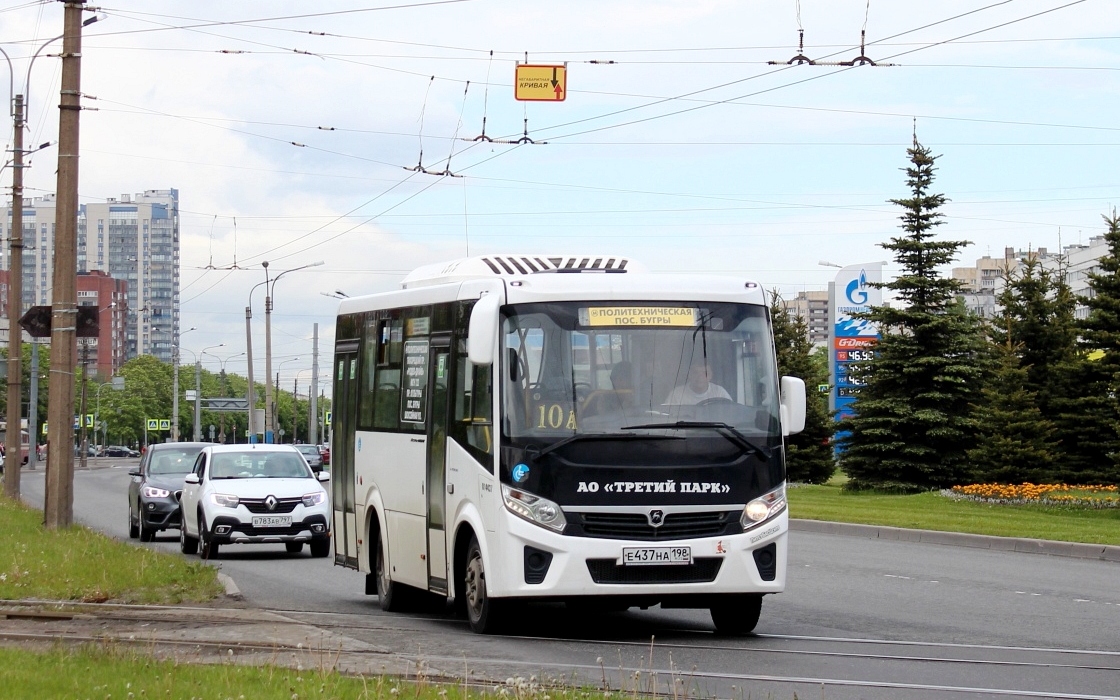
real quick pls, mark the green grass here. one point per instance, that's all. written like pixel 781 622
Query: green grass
pixel 81 565
pixel 931 511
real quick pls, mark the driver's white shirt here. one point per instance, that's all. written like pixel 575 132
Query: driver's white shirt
pixel 685 396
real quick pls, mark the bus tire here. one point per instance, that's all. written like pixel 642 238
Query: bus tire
pixel 486 615
pixel 390 595
pixel 737 614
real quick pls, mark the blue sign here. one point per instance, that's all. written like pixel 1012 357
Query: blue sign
pixel 853 339
pixel 521 472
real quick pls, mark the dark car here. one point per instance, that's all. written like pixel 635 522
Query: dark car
pixel 157 484
pixel 118 451
pixel 313 456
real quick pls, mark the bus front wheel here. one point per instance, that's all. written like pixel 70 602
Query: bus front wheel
pixel 484 613
pixel 737 614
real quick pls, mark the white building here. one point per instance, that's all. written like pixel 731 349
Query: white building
pixel 812 307
pixel 135 238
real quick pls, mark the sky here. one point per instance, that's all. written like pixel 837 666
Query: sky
pixel 686 141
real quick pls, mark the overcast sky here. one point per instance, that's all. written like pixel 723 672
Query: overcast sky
pixel 288 128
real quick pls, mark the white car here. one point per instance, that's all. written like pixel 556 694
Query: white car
pixel 253 494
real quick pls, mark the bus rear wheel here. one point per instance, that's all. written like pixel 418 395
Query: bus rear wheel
pixel 737 614
pixel 485 614
pixel 390 595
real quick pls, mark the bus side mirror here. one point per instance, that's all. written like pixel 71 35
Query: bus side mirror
pixel 483 330
pixel 793 405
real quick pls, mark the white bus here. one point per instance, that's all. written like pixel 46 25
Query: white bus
pixel 575 429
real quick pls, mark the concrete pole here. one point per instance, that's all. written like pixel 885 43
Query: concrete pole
pixel 33 406
pixel 84 441
pixel 313 423
pixel 175 393
pixel 197 399
pixel 250 432
pixel 268 434
pixel 13 444
pixel 59 506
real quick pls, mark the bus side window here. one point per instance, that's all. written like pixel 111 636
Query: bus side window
pixel 473 419
pixel 386 388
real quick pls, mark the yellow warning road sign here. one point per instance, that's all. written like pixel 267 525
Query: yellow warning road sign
pixel 541 83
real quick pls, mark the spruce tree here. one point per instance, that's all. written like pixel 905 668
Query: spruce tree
pixel 914 420
pixel 1015 442
pixel 1098 448
pixel 808 453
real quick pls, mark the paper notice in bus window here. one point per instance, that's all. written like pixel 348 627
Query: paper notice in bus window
pixel 413 399
pixel 672 316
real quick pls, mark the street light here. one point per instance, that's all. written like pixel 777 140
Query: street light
pixel 197 436
pixel 175 385
pixel 270 293
pixel 275 409
pixel 225 392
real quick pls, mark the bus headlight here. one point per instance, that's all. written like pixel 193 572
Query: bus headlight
pixel 763 508
pixel 534 508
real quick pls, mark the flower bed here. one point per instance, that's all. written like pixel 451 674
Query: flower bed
pixel 1095 496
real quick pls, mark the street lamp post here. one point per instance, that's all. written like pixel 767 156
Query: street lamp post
pixel 198 391
pixel 14 440
pixel 275 409
pixel 295 404
pixel 175 386
pixel 269 298
pixel 225 391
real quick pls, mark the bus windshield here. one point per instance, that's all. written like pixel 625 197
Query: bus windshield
pixel 584 368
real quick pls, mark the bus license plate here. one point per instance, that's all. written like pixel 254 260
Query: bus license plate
pixel 272 521
pixel 640 556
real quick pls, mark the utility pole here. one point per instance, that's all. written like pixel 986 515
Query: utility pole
pixel 13 442
pixel 250 431
pixel 197 434
pixel 33 407
pixel 82 412
pixel 59 506
pixel 295 406
pixel 175 392
pixel 312 425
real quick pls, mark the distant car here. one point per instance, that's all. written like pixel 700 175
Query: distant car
pixel 118 451
pixel 253 494
pixel 325 450
pixel 312 455
pixel 157 485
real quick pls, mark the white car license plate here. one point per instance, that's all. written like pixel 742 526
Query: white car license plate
pixel 639 556
pixel 272 521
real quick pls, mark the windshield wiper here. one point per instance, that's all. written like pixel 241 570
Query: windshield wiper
pixel 537 453
pixel 728 431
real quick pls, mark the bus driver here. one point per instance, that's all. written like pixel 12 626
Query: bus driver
pixel 698 387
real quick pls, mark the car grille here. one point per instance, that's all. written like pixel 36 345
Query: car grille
pixel 702 570
pixel 635 526
pixel 283 505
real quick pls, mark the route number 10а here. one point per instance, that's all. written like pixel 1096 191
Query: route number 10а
pixel 553 416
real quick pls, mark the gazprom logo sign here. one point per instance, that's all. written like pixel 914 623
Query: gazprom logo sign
pixel 856 291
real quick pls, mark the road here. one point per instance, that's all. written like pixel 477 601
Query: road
pixel 860 618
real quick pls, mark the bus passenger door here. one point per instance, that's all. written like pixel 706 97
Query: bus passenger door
pixel 439 379
pixel 345 406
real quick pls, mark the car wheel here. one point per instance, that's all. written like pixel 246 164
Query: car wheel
pixel 320 548
pixel 133 528
pixel 147 534
pixel 293 547
pixel 207 548
pixel 485 614
pixel 187 544
pixel 737 614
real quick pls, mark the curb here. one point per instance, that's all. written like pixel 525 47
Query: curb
pixel 1076 550
pixel 232 591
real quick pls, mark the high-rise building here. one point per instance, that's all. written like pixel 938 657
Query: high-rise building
pixel 812 307
pixel 136 238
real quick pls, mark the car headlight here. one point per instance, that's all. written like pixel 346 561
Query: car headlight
pixel 534 508
pixel 314 499
pixel 224 500
pixel 153 492
pixel 764 508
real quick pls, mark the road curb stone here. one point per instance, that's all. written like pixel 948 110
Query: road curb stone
pixel 1076 550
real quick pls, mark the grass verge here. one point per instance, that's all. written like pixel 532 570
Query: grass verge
pixel 81 565
pixel 932 511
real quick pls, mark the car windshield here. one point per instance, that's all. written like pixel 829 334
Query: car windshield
pixel 258 465
pixel 173 461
